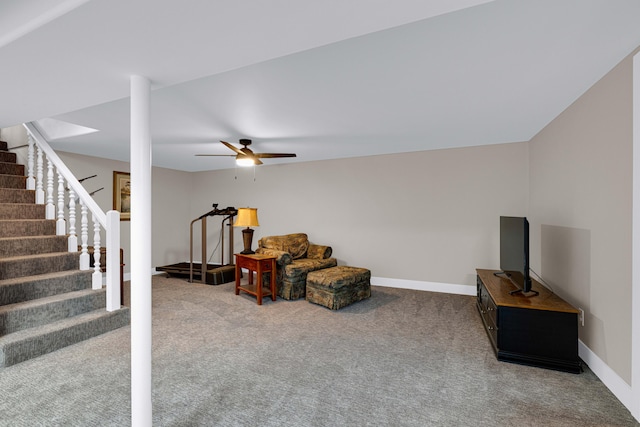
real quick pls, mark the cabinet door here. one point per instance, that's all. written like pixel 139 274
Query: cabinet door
pixel 489 313
pixel 539 333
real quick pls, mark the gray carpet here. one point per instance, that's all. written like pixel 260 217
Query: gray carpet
pixel 400 358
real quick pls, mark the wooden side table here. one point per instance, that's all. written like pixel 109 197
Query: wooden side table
pixel 260 264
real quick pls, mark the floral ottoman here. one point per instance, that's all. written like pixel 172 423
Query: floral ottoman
pixel 337 287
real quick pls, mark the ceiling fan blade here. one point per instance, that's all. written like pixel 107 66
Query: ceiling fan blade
pixel 273 155
pixel 215 155
pixel 257 161
pixel 235 150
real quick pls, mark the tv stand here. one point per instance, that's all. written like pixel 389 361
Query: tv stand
pixel 541 331
pixel 531 293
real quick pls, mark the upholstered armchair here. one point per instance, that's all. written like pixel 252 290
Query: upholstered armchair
pixel 295 257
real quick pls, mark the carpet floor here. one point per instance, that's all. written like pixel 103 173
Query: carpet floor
pixel 400 358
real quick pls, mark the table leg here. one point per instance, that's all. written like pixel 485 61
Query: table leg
pixel 273 280
pixel 259 282
pixel 237 277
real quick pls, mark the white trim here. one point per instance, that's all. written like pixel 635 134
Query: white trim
pixel 609 378
pixel 446 288
pixel 623 391
pixel 634 403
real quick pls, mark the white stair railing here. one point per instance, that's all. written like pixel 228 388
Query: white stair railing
pixel 110 221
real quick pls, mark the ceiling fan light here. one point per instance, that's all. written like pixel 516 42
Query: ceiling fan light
pixel 244 161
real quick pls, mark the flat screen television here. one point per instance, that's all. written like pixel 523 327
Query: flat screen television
pixel 514 251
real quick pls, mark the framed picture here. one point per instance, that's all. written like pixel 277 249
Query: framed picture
pixel 122 194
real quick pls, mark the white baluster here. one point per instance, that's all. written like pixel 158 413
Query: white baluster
pixel 31 180
pixel 84 236
pixel 50 208
pixel 39 189
pixel 96 278
pixel 61 226
pixel 73 239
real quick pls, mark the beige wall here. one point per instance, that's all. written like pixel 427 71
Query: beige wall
pixel 581 195
pixel 426 216
pixel 170 202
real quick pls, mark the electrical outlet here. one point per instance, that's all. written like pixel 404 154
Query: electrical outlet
pixel 581 316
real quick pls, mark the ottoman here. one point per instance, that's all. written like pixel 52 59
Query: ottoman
pixel 337 287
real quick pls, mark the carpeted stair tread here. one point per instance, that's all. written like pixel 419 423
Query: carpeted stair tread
pixel 10 168
pixel 20 289
pixel 29 343
pixel 27 227
pixel 7 156
pixel 22 211
pixel 32 245
pixel 46 302
pixel 29 265
pixel 17 195
pixel 29 314
pixel 13 181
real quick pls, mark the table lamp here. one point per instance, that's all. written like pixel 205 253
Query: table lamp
pixel 247 217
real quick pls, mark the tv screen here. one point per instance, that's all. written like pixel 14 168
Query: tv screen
pixel 514 250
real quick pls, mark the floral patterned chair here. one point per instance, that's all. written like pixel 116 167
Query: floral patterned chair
pixel 295 257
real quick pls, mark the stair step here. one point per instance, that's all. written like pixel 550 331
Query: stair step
pixel 17 195
pixel 8 168
pixel 22 211
pixel 46 302
pixel 32 245
pixel 33 342
pixel 4 146
pixel 30 265
pixel 7 156
pixel 29 314
pixel 27 227
pixel 13 181
pixel 27 288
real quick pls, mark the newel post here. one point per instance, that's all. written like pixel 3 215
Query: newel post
pixel 113 260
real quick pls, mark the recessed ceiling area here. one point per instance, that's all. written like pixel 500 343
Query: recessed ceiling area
pixel 321 79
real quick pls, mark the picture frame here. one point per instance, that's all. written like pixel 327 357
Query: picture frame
pixel 122 194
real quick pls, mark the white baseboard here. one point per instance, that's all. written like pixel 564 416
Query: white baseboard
pixel 446 288
pixel 609 378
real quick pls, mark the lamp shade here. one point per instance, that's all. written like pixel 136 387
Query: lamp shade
pixel 247 217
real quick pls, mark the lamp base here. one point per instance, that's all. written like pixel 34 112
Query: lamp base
pixel 247 237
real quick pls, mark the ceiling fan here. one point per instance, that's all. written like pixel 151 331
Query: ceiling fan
pixel 245 156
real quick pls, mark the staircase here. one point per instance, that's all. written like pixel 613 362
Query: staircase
pixel 46 302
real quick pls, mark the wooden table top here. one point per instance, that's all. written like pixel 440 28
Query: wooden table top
pixel 499 288
pixel 257 257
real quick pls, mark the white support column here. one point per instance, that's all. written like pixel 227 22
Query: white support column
pixel 141 407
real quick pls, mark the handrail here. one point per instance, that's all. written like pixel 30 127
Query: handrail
pixel 110 221
pixel 72 181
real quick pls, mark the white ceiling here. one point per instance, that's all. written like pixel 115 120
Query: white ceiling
pixel 330 79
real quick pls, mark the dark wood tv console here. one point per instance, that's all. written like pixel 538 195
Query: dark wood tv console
pixel 537 330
